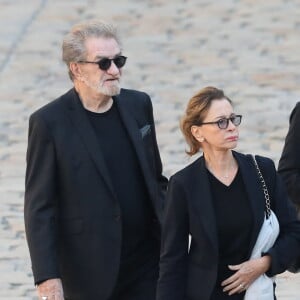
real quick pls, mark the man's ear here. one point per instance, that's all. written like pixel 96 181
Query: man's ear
pixel 197 133
pixel 75 70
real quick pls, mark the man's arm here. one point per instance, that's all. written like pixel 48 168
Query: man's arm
pixel 40 201
pixel 289 164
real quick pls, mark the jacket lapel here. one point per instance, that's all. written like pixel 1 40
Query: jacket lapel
pixel 204 202
pixel 133 130
pixel 254 192
pixel 88 136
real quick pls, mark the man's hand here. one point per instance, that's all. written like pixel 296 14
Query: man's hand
pixel 50 289
pixel 245 274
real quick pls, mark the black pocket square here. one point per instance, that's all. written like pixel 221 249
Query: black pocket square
pixel 145 130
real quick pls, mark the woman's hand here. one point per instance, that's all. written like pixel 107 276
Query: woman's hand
pixel 245 274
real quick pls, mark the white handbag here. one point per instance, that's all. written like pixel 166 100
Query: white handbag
pixel 262 287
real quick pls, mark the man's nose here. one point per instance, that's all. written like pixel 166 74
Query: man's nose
pixel 113 69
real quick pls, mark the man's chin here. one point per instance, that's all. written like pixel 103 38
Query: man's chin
pixel 111 91
pixel 108 90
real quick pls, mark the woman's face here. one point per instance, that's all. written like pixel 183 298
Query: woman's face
pixel 210 135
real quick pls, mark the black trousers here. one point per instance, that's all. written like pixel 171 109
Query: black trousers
pixel 141 288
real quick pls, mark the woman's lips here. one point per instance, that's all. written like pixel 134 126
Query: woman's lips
pixel 232 138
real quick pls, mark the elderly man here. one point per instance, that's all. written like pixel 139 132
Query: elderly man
pixel 94 184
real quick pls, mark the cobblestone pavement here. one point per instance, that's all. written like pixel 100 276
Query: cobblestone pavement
pixel 249 48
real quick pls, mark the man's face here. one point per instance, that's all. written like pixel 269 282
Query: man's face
pixel 100 81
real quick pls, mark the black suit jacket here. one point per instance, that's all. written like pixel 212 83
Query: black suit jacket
pixel 289 163
pixel 189 210
pixel 72 216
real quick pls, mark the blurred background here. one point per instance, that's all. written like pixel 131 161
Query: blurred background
pixel 248 48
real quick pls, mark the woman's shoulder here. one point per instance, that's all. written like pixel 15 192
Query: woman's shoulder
pixel 265 162
pixel 266 166
pixel 261 160
pixel 188 171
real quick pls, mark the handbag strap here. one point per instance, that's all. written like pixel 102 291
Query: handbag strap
pixel 264 187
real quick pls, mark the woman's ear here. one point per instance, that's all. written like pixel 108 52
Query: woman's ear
pixel 197 133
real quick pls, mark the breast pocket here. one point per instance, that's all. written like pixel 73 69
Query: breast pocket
pixel 145 130
pixel 146 135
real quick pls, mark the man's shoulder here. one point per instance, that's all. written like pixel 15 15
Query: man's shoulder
pixel 135 101
pixel 297 105
pixel 55 106
pixel 295 114
pixel 134 96
pixel 131 92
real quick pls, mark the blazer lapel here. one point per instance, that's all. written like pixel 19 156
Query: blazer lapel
pixel 254 192
pixel 88 136
pixel 135 135
pixel 204 202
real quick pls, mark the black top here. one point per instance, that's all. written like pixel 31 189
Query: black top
pixel 131 192
pixel 234 225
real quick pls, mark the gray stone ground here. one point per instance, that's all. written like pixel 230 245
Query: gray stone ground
pixel 249 48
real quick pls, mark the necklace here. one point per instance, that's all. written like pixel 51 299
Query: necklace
pixel 226 175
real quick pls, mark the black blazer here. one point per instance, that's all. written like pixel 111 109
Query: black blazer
pixel 72 216
pixel 189 210
pixel 289 163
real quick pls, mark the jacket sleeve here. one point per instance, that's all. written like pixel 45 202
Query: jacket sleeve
pixel 40 201
pixel 287 246
pixel 289 163
pixel 174 248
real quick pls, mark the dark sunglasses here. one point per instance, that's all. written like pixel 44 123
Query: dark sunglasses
pixel 105 63
pixel 224 122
